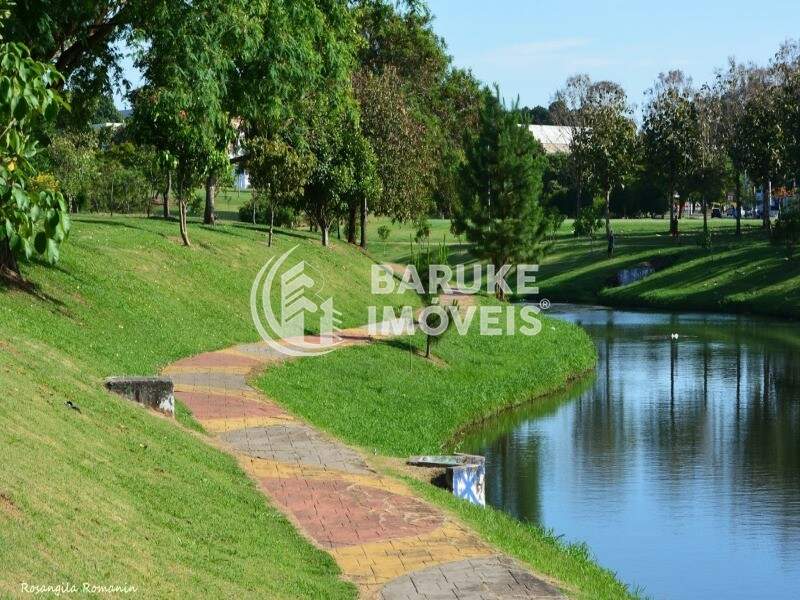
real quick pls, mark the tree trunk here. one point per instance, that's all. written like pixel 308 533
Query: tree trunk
pixel 271 224
pixel 364 224
pixel 325 234
pixel 8 262
pixel 352 211
pixel 767 198
pixel 167 192
pixel 738 205
pixel 608 214
pixel 672 212
pixel 705 217
pixel 184 232
pixel 578 200
pixel 209 216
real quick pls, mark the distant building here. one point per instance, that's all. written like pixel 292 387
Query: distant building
pixel 554 138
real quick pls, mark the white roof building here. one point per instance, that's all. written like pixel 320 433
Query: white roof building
pixel 554 138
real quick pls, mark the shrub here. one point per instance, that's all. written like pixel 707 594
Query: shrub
pixel 786 231
pixel 589 220
pixel 284 216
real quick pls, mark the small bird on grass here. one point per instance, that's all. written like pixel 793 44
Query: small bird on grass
pixel 72 405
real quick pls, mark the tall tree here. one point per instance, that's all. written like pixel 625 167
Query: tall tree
pixel 668 135
pixel 400 85
pixel 30 223
pixel 568 109
pixel 457 106
pixel 73 160
pixel 786 66
pixel 398 135
pixel 735 86
pixel 182 109
pixel 278 174
pixel 709 167
pixel 763 141
pixel 607 144
pixel 501 184
pixel 84 41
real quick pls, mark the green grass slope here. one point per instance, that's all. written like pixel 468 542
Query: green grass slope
pixel 746 274
pixel 114 495
pixel 387 398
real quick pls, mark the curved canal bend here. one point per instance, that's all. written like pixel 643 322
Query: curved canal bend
pixel 678 464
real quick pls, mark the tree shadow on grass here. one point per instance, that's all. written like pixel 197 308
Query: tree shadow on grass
pixel 755 270
pixel 13 282
pixel 110 222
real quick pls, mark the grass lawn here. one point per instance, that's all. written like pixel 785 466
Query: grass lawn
pixel 114 494
pixel 746 274
pixel 227 202
pixel 735 275
pixel 389 400
pixel 396 248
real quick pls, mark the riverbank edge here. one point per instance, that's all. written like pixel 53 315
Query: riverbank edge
pixel 573 565
pixel 463 430
pixel 628 297
pixel 605 298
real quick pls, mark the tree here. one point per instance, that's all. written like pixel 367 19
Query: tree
pixel 588 221
pixel 416 108
pixel 709 167
pixel 568 109
pixel 278 174
pixel 399 35
pixel 457 105
pixel 735 86
pixel 434 316
pixel 501 184
pixel 83 41
pixel 538 115
pixel 218 168
pixel 787 70
pixel 182 109
pixel 174 122
pixel 73 160
pixel 30 223
pixel 668 135
pixel 606 144
pixel 763 141
pixel 398 135
pixel 343 171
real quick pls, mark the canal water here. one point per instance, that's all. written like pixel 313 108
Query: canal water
pixel 678 463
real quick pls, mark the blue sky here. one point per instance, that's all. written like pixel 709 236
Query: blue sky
pixel 530 47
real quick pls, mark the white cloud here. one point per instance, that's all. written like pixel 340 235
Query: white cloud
pixel 533 53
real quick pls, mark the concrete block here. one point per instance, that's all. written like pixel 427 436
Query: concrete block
pixel 152 392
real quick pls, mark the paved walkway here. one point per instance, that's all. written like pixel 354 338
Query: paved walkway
pixel 391 544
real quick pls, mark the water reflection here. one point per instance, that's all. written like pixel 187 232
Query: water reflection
pixel 679 463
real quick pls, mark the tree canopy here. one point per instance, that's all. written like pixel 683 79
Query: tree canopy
pixel 501 184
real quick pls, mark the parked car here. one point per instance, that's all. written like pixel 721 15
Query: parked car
pixel 716 213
